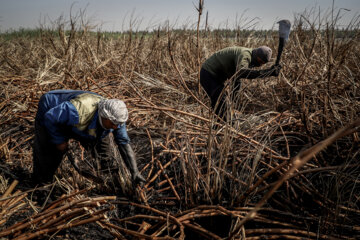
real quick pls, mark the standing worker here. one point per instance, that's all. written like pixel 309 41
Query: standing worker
pixel 83 116
pixel 233 63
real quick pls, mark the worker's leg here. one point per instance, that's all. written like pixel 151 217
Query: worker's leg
pixel 46 157
pixel 235 87
pixel 218 103
pixel 213 88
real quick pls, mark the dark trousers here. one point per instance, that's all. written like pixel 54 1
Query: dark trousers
pixel 47 158
pixel 214 87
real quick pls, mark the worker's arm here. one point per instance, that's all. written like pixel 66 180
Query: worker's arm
pixel 128 156
pixel 122 140
pixel 252 74
pixel 56 119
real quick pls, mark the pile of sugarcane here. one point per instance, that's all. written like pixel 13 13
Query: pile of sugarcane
pixel 68 211
pixel 11 203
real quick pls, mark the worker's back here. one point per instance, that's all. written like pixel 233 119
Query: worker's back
pixel 224 63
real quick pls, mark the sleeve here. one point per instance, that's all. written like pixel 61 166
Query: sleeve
pixel 57 117
pixel 120 135
pixel 243 62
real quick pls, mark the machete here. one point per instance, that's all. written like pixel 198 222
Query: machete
pixel 284 32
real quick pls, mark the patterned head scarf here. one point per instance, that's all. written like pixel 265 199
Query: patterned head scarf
pixel 263 52
pixel 113 109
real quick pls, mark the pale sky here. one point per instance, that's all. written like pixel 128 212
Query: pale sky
pixel 115 15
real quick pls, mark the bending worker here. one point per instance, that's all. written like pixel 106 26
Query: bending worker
pixel 233 63
pixel 83 116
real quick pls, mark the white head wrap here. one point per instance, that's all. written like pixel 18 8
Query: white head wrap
pixel 113 109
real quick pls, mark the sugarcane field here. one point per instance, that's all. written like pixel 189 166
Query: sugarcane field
pixel 190 152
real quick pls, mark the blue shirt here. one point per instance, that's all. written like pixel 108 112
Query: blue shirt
pixel 59 116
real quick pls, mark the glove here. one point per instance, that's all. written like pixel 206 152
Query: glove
pixel 138 178
pixel 252 74
pixel 274 71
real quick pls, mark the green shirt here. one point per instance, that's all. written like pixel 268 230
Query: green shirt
pixel 226 62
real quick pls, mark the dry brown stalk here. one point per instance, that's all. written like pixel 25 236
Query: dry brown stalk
pixel 166 188
pixel 246 138
pixel 167 109
pixel 287 232
pixel 11 200
pixel 204 233
pixel 169 181
pixel 106 92
pixel 152 154
pixel 55 218
pixel 64 217
pixel 299 161
pixel 266 175
pixel 135 234
pixel 140 216
pixel 9 190
pixel 276 237
pixel 28 236
pixel 11 203
pixel 200 11
pixel 142 195
pixel 173 130
pixel 112 230
pixel 180 75
pixel 61 199
pixel 166 215
pixel 156 175
pixel 144 227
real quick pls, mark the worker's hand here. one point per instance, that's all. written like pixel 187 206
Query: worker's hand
pixel 138 178
pixel 275 70
pixel 62 146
